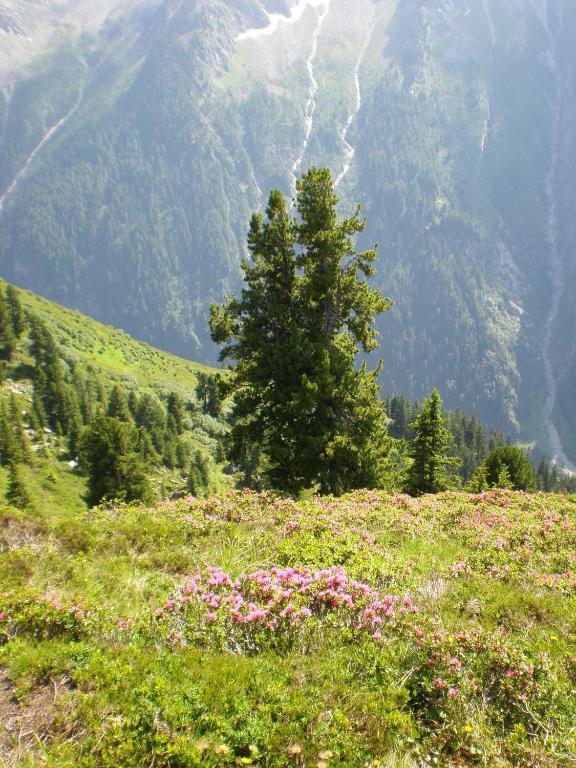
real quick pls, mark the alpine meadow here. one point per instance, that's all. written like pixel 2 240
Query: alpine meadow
pixel 287 431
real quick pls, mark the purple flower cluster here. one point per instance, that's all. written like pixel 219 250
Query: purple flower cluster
pixel 283 599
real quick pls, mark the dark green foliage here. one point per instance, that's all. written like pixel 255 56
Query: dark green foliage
pixel 49 383
pixel 7 335
pixel 16 311
pixel 150 414
pixel 208 394
pixel 118 405
pixel 431 450
pixel 201 476
pixel 472 442
pixel 176 411
pixel 17 493
pixel 294 335
pixel 509 467
pixel 551 479
pixel 108 457
pixel 10 446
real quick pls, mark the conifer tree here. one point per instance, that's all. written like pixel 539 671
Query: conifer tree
pixel 7 336
pixel 49 375
pixel 200 480
pixel 17 493
pixel 293 336
pixel 17 427
pixel 107 450
pixel 16 311
pixel 509 467
pixel 10 447
pixel 431 450
pixel 176 409
pixel 118 405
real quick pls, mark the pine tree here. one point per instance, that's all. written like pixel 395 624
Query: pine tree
pixel 7 336
pixel 504 479
pixel 17 426
pixel 431 450
pixel 293 337
pixel 10 447
pixel 200 479
pixel 176 409
pixel 16 311
pixel 118 405
pixel 17 493
pixel 509 465
pixel 107 450
pixel 49 386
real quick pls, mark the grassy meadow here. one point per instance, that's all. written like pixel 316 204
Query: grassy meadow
pixel 246 629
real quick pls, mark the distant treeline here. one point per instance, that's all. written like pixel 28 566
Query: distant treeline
pixel 472 443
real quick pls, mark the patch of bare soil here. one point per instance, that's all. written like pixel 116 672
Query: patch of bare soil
pixel 26 726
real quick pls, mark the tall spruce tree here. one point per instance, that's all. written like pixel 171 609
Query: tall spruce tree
pixel 107 450
pixel 118 405
pixel 16 311
pixel 293 336
pixel 509 467
pixel 7 335
pixel 431 450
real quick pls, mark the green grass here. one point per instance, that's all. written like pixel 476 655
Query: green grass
pixel 113 351
pixel 483 673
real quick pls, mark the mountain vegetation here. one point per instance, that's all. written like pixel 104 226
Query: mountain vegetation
pixel 134 151
pixel 294 336
pixel 372 630
pixel 94 411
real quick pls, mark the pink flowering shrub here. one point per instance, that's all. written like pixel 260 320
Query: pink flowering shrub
pixel 483 666
pixel 278 607
pixel 41 618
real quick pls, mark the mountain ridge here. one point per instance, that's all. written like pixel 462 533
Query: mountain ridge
pixel 183 129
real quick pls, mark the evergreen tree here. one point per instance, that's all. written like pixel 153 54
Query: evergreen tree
pixel 10 447
pixel 17 493
pixel 431 450
pixel 145 448
pixel 479 480
pixel 18 429
pixel 49 376
pixel 150 414
pixel 177 411
pixel 208 394
pixel 508 466
pixel 504 479
pixel 16 311
pixel 133 403
pixel 293 337
pixel 118 405
pixel 7 336
pixel 107 450
pixel 200 479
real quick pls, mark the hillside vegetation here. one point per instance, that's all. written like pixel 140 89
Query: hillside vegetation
pixel 371 630
pixel 135 149
pixel 63 371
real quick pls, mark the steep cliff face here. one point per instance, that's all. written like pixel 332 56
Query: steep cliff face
pixel 134 151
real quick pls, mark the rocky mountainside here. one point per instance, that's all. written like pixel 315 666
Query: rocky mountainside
pixel 136 138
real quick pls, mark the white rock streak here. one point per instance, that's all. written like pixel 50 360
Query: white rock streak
pixel 275 19
pixel 8 103
pixel 311 104
pixel 349 151
pixel 322 8
pixel 39 147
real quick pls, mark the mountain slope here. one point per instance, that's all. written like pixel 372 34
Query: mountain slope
pixel 134 153
pixel 96 367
